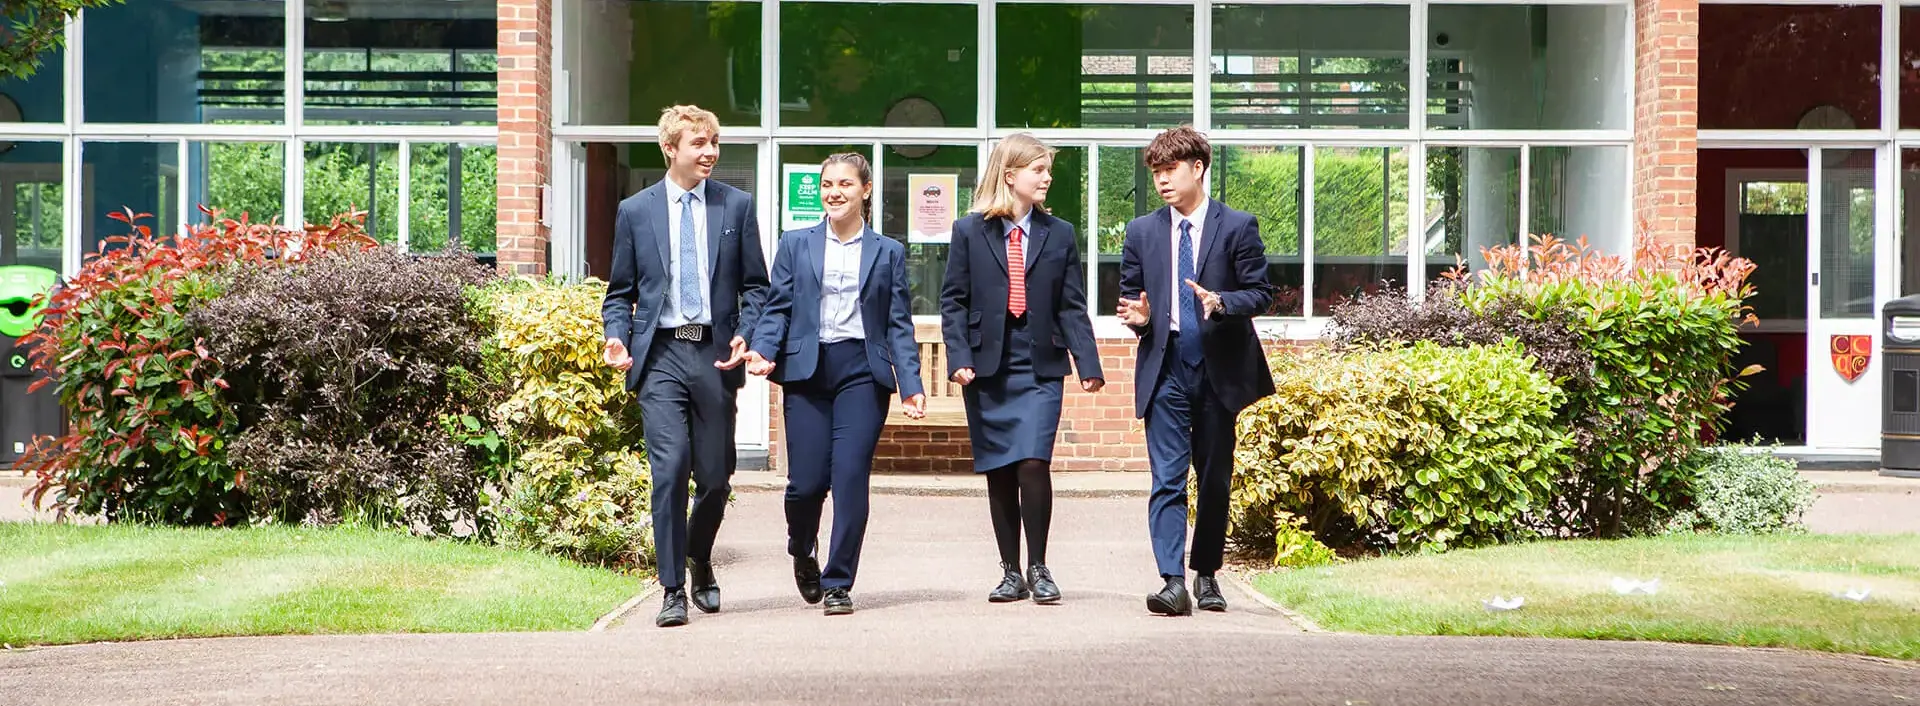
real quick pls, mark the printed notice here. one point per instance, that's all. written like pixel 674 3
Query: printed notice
pixel 931 199
pixel 802 207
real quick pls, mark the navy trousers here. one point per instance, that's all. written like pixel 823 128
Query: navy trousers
pixel 687 414
pixel 833 424
pixel 1187 426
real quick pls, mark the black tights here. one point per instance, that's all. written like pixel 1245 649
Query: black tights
pixel 1017 494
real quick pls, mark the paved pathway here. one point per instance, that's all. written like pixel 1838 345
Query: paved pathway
pixel 924 633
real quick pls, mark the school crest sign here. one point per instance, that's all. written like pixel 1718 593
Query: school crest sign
pixel 1851 353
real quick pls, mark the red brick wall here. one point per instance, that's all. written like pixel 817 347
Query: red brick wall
pixel 1666 117
pixel 526 132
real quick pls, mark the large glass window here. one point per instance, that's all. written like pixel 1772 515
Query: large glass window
pixel 40 98
pixel 355 176
pixel 1473 203
pixel 628 59
pixel 1266 183
pixel 1359 223
pixel 32 210
pixel 239 178
pixel 1094 65
pixel 1528 67
pixel 1310 66
pixel 1785 67
pixel 937 168
pixel 898 65
pixel 140 176
pixel 175 62
pixel 386 63
pixel 451 196
pixel 1126 192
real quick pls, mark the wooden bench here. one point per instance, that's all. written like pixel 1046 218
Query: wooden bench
pixel 944 406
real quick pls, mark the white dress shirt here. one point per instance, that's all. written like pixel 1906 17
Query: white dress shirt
pixel 1025 224
pixel 840 290
pixel 670 314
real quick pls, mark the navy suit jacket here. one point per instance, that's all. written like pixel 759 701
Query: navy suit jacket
pixel 973 300
pixel 638 280
pixel 1233 263
pixel 789 328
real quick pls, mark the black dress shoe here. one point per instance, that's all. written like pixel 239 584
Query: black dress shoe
pixel 838 602
pixel 1012 587
pixel 706 592
pixel 1044 590
pixel 806 575
pixel 1171 600
pixel 1206 593
pixel 673 609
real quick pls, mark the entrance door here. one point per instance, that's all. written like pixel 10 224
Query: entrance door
pixel 1843 379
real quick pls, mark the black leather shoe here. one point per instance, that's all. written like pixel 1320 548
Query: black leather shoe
pixel 1044 590
pixel 1012 587
pixel 838 602
pixel 673 609
pixel 1206 593
pixel 1171 600
pixel 706 592
pixel 806 575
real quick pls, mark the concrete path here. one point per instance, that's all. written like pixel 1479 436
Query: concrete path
pixel 925 633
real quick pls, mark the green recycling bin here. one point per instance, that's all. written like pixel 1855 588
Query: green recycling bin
pixel 23 416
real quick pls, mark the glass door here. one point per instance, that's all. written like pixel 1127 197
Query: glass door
pixel 1843 380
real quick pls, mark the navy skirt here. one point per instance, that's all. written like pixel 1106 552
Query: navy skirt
pixel 1012 416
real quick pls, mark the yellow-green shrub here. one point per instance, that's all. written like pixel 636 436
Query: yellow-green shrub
pixel 577 482
pixel 1398 445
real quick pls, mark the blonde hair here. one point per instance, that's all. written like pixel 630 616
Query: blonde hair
pixel 677 120
pixel 993 198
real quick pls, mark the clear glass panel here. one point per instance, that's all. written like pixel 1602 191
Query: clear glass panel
pixel 186 62
pixel 141 176
pixel 39 98
pixel 1580 192
pixel 1909 221
pixel 1126 192
pixel 32 225
pixel 1359 223
pixel 363 176
pixel 1846 234
pixel 423 63
pixel 1266 182
pixel 1094 65
pixel 451 189
pixel 631 59
pixel 923 189
pixel 615 171
pixel 240 178
pixel 1277 66
pixel 1528 67
pixel 898 65
pixel 1787 67
pixel 1473 202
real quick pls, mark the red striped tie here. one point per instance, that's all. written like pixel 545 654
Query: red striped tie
pixel 1017 269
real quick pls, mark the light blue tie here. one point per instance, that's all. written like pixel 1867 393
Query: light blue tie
pixel 689 262
pixel 1189 342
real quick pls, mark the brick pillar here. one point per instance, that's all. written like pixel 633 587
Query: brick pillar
pixel 526 132
pixel 1666 117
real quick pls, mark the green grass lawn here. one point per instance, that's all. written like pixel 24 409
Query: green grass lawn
pixel 1753 591
pixel 65 584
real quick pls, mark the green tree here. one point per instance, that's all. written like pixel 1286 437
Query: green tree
pixel 34 28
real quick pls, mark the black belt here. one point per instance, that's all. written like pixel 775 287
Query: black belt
pixel 686 332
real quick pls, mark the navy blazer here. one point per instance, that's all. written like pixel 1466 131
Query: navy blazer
pixel 789 329
pixel 1232 263
pixel 638 280
pixel 973 300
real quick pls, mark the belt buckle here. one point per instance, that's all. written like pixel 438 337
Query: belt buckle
pixel 690 332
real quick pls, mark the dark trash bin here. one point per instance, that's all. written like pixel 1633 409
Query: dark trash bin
pixel 23 416
pixel 1900 386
